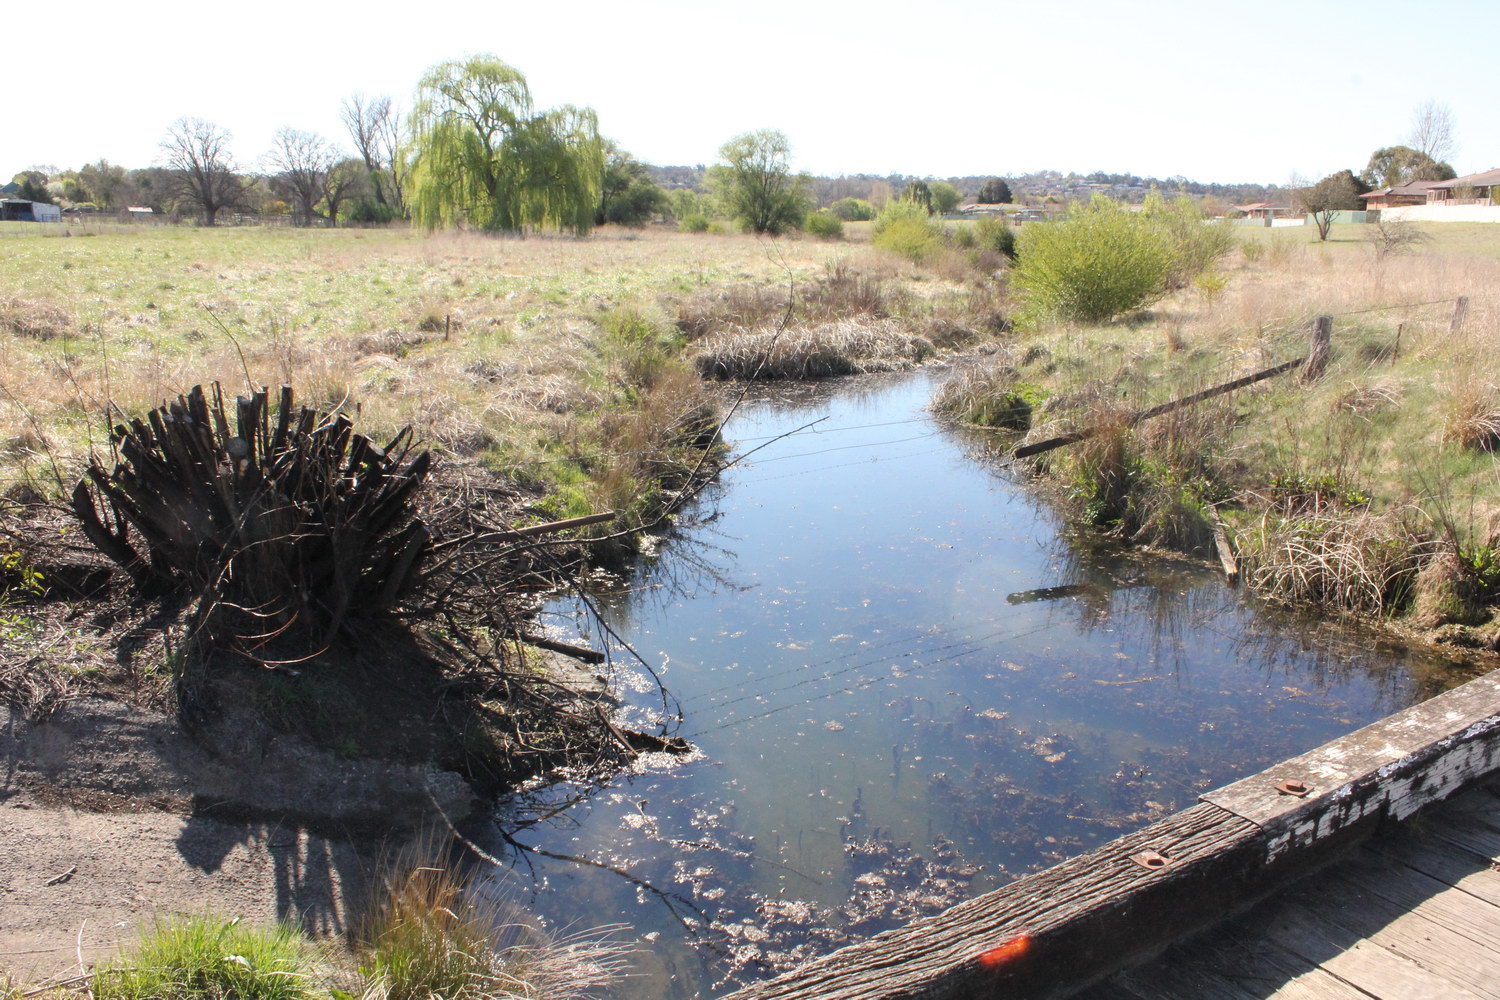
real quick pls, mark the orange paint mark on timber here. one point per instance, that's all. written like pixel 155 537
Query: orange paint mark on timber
pixel 999 955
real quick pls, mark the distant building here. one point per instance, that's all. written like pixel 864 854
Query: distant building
pixel 21 210
pixel 1266 211
pixel 1484 186
pixel 1410 193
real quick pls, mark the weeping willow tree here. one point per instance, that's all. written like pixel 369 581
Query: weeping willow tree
pixel 479 154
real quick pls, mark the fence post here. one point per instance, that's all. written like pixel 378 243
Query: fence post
pixel 1460 313
pixel 1317 352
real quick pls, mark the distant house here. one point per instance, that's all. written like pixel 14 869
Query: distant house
pixel 1485 186
pixel 1266 210
pixel 21 210
pixel 1410 193
pixel 985 208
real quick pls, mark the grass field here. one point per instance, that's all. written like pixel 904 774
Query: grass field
pixel 522 352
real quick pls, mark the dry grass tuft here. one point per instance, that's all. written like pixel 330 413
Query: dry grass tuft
pixel 33 318
pixel 1347 559
pixel 434 930
pixel 846 347
pixel 1471 412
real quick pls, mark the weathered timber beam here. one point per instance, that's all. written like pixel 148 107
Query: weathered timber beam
pixel 1053 933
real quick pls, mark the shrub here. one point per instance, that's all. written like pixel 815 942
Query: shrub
pixel 370 212
pixel 693 224
pixel 1197 244
pixel 853 209
pixel 992 232
pixel 198 957
pixel 824 225
pixel 963 237
pixel 906 228
pixel 1096 264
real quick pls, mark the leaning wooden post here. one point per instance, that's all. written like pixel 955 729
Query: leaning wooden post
pixel 1460 313
pixel 1317 352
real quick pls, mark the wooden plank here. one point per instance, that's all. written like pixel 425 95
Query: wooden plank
pixel 1381 885
pixel 1386 770
pixel 1190 981
pixel 1447 862
pixel 1376 922
pixel 1256 966
pixel 1480 838
pixel 1368 967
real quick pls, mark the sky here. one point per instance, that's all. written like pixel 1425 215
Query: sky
pixel 1245 92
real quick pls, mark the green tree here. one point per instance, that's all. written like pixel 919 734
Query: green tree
pixel 1392 165
pixel 756 183
pixel 480 154
pixel 627 195
pixel 945 197
pixel 1335 193
pixel 995 192
pixel 32 185
pixel 918 193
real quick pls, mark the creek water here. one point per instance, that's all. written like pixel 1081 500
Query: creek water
pixel 906 686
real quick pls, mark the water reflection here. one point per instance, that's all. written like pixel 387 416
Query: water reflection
pixel 907 687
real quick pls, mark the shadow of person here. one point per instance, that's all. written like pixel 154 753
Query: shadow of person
pixel 308 878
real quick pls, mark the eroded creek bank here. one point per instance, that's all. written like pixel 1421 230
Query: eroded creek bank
pixel 908 686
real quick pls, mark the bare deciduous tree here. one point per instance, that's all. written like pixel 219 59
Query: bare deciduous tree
pixel 197 152
pixel 377 132
pixel 1433 131
pixel 303 161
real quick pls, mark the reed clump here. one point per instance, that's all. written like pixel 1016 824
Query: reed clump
pixel 824 350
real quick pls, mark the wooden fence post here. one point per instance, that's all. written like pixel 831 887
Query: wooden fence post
pixel 1317 352
pixel 1460 313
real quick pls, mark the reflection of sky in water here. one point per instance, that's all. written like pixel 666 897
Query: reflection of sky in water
pixel 877 640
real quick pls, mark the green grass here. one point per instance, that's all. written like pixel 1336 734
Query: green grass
pixel 209 958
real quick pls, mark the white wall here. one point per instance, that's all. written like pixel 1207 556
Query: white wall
pixel 1440 213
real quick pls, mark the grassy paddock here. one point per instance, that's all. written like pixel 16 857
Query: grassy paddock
pixel 1346 492
pixel 505 350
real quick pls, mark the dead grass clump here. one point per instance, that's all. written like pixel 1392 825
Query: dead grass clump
pixel 33 318
pixel 1471 413
pixel 1346 559
pixel 987 397
pixel 433 930
pixel 841 292
pixel 735 307
pixel 1444 591
pixel 848 347
pixel 1367 397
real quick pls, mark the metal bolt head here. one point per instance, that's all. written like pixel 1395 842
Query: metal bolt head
pixel 1294 786
pixel 1151 860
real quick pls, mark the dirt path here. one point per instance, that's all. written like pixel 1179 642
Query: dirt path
pixel 110 815
pixel 127 866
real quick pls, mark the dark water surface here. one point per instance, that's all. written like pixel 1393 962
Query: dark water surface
pixel 907 688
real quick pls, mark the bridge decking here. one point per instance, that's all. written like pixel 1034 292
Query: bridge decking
pixel 1051 934
pixel 1414 914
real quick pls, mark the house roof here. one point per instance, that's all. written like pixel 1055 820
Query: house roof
pixel 1414 188
pixel 1484 179
pixel 1263 205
